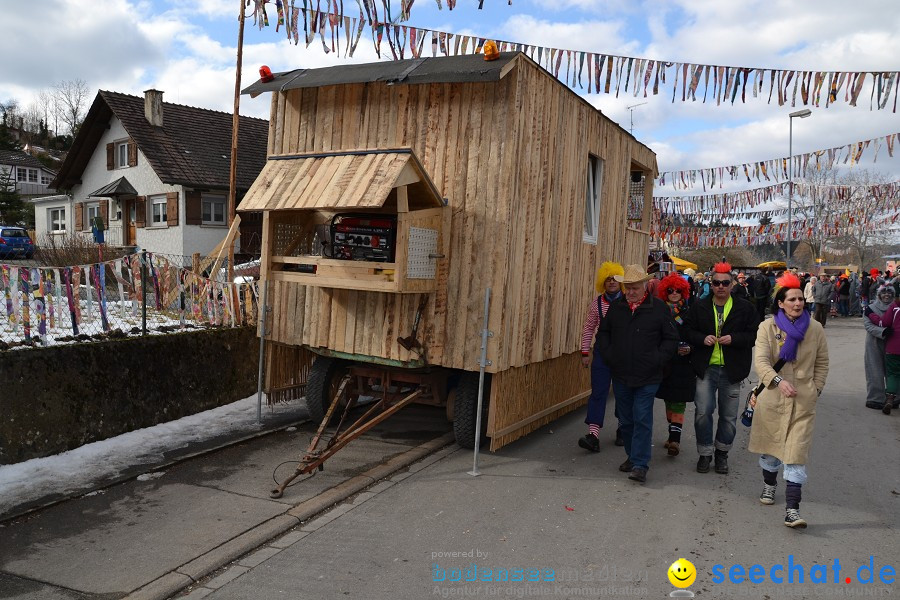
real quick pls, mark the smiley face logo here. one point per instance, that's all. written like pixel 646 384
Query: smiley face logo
pixel 682 573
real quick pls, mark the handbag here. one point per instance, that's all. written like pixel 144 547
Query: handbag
pixel 750 406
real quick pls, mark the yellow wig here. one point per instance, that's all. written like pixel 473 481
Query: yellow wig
pixel 607 270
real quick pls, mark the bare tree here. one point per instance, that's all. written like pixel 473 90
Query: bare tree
pixel 864 208
pixel 49 106
pixel 810 204
pixel 72 96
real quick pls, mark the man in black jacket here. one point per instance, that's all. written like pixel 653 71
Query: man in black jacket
pixel 637 338
pixel 721 330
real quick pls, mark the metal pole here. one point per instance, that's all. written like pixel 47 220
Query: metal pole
pixel 262 348
pixel 143 292
pixel 790 186
pixel 484 362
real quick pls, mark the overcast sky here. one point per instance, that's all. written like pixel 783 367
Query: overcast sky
pixel 188 50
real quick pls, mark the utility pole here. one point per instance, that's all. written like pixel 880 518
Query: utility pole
pixel 232 177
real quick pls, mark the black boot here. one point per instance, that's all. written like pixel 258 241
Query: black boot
pixel 703 464
pixel 889 400
pixel 722 462
pixel 875 405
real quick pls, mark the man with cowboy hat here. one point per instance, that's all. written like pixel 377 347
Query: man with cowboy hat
pixel 637 338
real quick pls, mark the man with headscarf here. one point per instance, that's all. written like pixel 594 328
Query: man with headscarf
pixel 721 330
pixel 873 359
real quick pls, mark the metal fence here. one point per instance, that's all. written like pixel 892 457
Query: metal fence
pixel 138 294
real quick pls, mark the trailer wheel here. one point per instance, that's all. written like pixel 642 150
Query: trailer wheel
pixel 324 379
pixel 465 407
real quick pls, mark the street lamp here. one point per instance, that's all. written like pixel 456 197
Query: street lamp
pixel 801 114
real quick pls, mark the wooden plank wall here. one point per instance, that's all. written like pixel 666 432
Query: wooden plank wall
pixel 511 157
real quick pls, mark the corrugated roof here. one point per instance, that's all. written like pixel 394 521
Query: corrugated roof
pixel 441 69
pixel 337 181
pixel 193 147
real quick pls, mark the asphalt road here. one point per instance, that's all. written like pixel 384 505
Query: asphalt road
pixel 546 507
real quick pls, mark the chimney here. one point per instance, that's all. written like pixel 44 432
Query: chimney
pixel 153 108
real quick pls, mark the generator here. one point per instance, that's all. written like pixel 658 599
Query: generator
pixel 363 236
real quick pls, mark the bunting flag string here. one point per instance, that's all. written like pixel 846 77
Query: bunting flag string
pixel 728 204
pixel 753 235
pixel 610 73
pixel 778 169
pixel 57 301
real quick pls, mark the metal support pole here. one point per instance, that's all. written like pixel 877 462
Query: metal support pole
pixel 484 362
pixel 790 188
pixel 144 292
pixel 262 348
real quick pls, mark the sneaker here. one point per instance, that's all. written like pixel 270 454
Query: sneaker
pixel 626 466
pixel 874 404
pixel 886 409
pixel 793 519
pixel 703 464
pixel 590 443
pixel 721 462
pixel 619 440
pixel 768 494
pixel 638 474
pixel 673 447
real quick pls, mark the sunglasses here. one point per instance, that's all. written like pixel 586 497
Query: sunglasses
pixel 720 282
pixel 673 291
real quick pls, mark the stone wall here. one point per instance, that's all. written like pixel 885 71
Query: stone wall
pixel 58 398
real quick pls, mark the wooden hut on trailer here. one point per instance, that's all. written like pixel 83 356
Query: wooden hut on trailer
pixel 395 193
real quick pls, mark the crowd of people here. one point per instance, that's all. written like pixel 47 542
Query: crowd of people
pixel 694 338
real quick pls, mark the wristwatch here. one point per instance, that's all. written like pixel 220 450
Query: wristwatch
pixel 777 379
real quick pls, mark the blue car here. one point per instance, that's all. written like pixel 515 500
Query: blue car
pixel 15 243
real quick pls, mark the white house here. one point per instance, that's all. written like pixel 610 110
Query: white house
pixel 155 173
pixel 24 172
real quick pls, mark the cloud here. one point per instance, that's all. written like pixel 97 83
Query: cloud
pixel 54 40
pixel 597 35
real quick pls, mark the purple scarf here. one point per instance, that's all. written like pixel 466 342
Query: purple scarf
pixel 795 331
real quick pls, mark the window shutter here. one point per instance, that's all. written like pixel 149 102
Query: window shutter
pixel 79 216
pixel 132 153
pixel 104 213
pixel 110 156
pixel 193 208
pixel 172 208
pixel 140 211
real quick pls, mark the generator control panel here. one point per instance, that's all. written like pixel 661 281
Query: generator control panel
pixel 361 236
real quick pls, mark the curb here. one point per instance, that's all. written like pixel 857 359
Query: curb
pixel 176 580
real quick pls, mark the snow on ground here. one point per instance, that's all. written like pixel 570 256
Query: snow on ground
pixel 78 470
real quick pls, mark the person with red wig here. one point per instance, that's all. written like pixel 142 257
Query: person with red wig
pixel 680 383
pixel 785 411
pixel 721 330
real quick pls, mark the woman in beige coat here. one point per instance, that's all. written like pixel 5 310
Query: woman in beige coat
pixel 786 410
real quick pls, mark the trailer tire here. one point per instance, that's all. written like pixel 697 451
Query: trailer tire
pixel 324 378
pixel 466 406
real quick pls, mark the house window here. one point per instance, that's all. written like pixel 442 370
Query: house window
pixel 24 174
pixel 592 199
pixel 158 214
pixel 45 180
pixel 121 154
pixel 93 211
pixel 636 200
pixel 213 209
pixel 56 220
